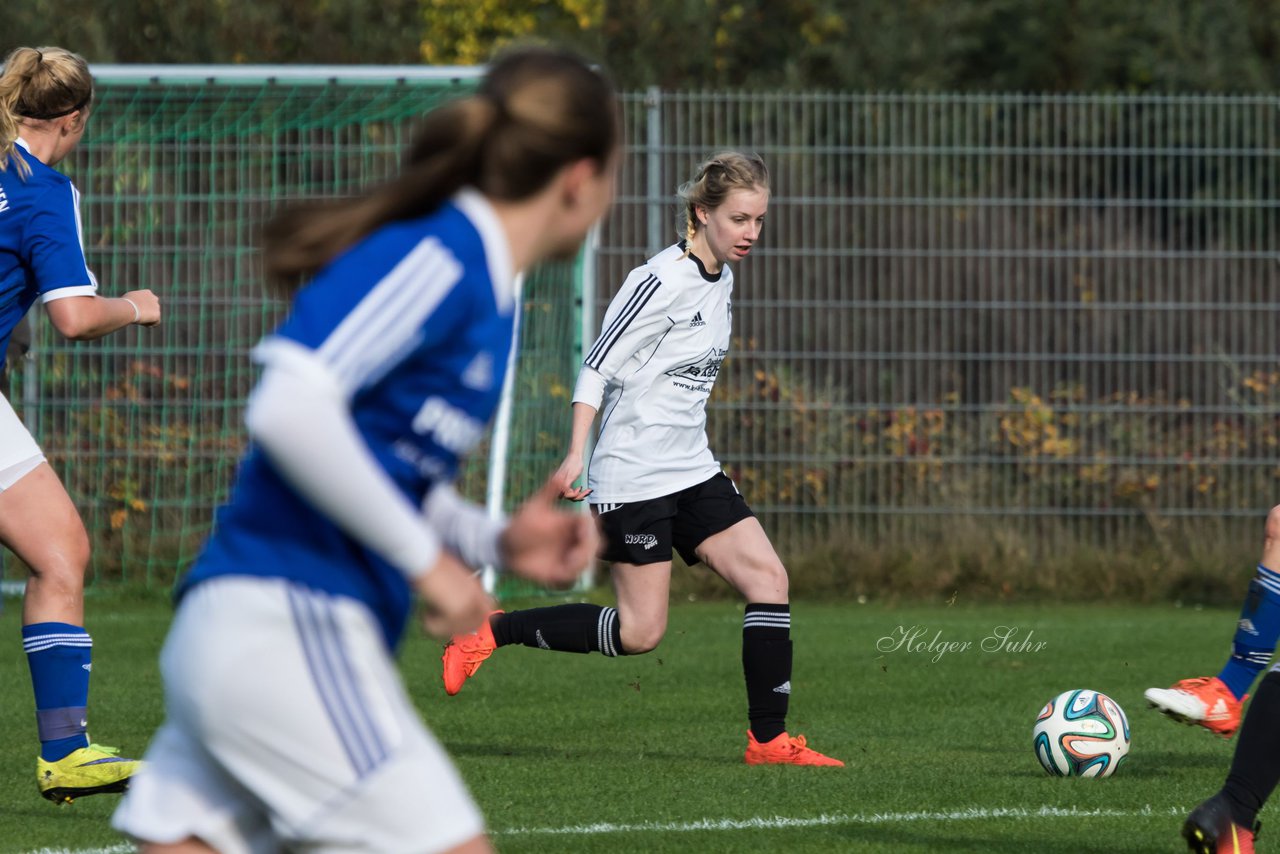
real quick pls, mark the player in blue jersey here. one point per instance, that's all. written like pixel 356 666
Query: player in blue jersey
pixel 654 483
pixel 288 727
pixel 45 98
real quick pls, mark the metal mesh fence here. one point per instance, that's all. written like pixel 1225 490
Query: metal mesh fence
pixel 1053 312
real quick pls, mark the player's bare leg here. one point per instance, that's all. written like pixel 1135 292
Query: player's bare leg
pixel 643 592
pixel 39 523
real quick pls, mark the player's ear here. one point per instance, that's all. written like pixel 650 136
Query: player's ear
pixel 575 177
pixel 701 213
pixel 71 122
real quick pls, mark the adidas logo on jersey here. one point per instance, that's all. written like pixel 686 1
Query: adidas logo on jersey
pixel 697 320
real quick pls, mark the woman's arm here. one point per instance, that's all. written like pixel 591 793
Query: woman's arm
pixel 584 414
pixel 84 318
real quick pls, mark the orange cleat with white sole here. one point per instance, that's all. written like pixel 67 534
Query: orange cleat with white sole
pixel 464 654
pixel 1204 701
pixel 785 750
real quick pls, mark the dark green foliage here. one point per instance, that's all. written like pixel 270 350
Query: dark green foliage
pixel 964 45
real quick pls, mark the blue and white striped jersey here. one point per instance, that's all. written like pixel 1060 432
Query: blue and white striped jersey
pixel 41 244
pixel 415 323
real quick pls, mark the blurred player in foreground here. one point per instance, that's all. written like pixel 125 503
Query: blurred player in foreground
pixel 654 483
pixel 288 727
pixel 45 98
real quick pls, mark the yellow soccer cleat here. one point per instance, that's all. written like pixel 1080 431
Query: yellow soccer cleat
pixel 785 750
pixel 90 770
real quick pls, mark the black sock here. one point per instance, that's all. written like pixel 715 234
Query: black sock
pixel 564 628
pixel 1255 769
pixel 766 663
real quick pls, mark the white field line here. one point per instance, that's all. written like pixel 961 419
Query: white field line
pixel 778 822
pixel 833 819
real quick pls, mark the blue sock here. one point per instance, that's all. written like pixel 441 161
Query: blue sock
pixel 60 657
pixel 1256 633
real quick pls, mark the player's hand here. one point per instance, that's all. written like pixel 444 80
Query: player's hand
pixel 546 545
pixel 455 599
pixel 148 306
pixel 570 470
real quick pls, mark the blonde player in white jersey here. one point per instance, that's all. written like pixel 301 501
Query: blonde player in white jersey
pixel 654 483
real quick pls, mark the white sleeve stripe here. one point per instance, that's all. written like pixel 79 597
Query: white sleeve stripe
pixel 394 327
pixel 69 291
pixel 390 314
pixel 621 314
pixel 597 355
pixel 75 207
pixel 388 287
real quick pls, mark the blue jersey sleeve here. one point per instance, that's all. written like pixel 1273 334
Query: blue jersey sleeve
pixel 52 244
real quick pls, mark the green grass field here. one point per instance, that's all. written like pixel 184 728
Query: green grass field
pixel 583 753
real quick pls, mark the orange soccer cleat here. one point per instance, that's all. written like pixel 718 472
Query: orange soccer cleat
pixel 1205 701
pixel 464 654
pixel 785 750
pixel 1210 829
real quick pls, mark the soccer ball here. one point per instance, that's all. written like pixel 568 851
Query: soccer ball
pixel 1081 733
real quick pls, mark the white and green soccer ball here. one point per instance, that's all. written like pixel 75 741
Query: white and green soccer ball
pixel 1081 733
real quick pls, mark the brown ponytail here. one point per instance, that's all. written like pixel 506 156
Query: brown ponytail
pixel 536 111
pixel 38 84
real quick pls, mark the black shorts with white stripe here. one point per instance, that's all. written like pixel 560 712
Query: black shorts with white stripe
pixel 643 532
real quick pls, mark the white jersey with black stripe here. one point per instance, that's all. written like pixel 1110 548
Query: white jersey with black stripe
pixel 659 352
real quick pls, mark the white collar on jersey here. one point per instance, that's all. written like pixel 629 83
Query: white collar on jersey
pixel 23 143
pixel 496 249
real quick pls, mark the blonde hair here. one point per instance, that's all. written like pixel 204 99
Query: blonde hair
pixel 718 176
pixel 536 111
pixel 39 83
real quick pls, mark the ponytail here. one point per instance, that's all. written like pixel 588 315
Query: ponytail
pixel 445 156
pixel 38 84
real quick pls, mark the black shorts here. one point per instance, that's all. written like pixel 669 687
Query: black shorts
pixel 645 531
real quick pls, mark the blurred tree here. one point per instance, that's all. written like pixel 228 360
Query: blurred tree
pixel 467 32
pixel 965 45
pixel 220 31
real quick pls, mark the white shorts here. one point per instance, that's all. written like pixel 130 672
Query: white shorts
pixel 19 453
pixel 288 728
